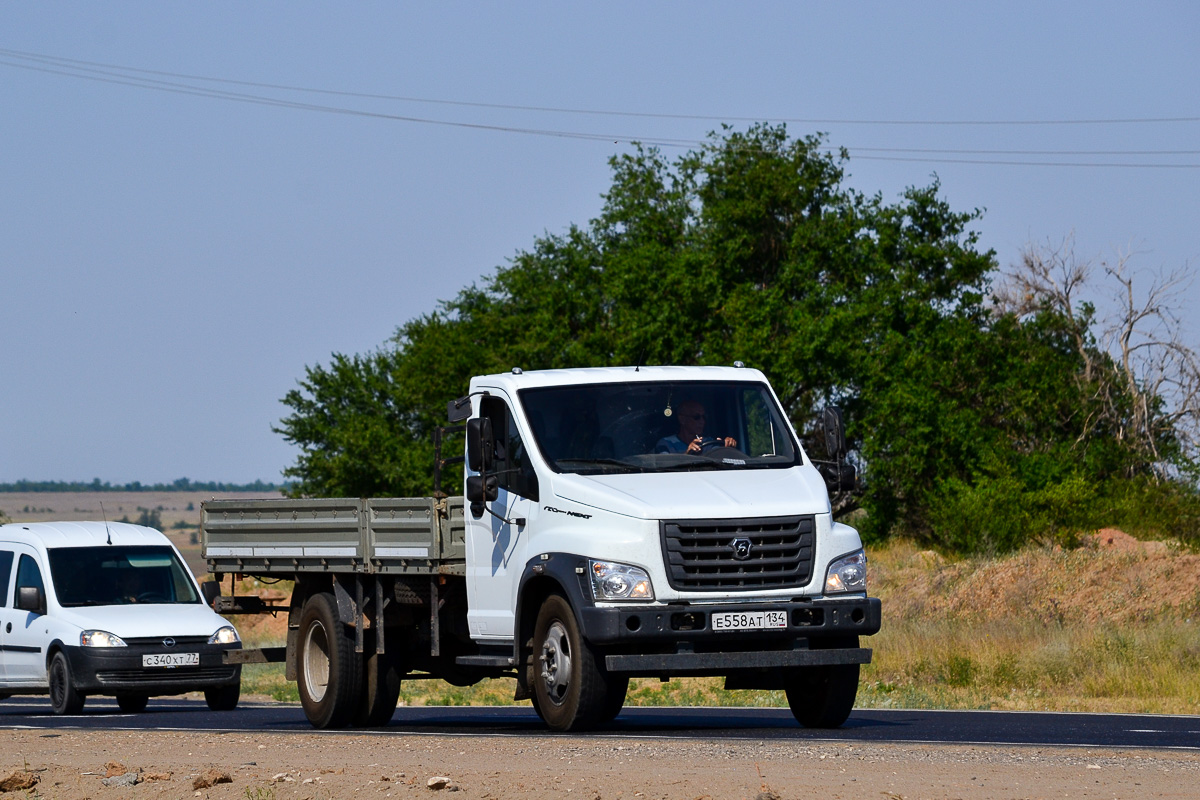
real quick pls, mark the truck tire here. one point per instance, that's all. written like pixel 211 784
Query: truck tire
pixel 614 701
pixel 329 671
pixel 571 692
pixel 63 697
pixel 223 699
pixel 380 691
pixel 822 697
pixel 132 703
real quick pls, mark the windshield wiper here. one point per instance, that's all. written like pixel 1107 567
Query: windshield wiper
pixel 603 462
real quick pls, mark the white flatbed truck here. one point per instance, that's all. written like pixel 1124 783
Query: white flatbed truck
pixel 600 537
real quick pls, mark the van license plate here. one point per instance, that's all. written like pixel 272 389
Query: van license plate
pixel 748 620
pixel 171 660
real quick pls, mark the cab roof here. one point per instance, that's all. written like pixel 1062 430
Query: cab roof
pixel 519 379
pixel 80 534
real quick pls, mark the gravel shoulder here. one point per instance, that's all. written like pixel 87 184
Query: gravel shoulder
pixel 73 763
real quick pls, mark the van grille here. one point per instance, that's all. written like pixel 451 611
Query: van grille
pixel 181 676
pixel 739 554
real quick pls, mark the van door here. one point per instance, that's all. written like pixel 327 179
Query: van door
pixel 24 644
pixel 6 603
pixel 496 544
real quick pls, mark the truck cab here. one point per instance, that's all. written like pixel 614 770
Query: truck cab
pixel 656 521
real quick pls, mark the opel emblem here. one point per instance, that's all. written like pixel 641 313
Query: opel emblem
pixel 168 642
pixel 741 548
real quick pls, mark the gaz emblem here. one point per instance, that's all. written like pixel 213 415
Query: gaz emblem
pixel 741 548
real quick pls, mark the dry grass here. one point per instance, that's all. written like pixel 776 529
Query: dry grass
pixel 1101 628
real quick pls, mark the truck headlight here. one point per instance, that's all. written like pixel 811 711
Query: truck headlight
pixel 100 639
pixel 847 574
pixel 225 635
pixel 620 582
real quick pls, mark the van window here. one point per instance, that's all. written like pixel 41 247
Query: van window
pixel 115 575
pixel 6 559
pixel 28 574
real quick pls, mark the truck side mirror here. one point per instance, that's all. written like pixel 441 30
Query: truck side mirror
pixel 835 432
pixel 480 444
pixel 30 598
pixel 459 409
pixel 481 489
pixel 839 477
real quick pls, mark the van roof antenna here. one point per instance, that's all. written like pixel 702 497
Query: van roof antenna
pixel 106 530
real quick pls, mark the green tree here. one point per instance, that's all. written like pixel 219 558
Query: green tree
pixel 752 248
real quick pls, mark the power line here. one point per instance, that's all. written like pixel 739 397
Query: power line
pixel 118 75
pixel 38 57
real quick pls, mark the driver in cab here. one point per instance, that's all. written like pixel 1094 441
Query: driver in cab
pixel 690 438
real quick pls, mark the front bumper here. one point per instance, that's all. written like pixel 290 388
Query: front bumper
pixel 119 670
pixel 678 639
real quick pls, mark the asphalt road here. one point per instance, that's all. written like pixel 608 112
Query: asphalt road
pixel 957 727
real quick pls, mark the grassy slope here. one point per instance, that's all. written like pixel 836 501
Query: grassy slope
pixel 1101 628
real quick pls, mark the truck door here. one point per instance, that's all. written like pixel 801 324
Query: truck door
pixel 496 542
pixel 24 631
pixel 6 603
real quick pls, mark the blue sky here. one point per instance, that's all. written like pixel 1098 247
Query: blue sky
pixel 172 260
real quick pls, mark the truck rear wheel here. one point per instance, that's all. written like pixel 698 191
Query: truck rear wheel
pixel 329 671
pixel 571 692
pixel 823 697
pixel 380 691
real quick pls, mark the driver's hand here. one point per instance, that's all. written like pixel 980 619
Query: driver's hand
pixel 730 441
pixel 694 445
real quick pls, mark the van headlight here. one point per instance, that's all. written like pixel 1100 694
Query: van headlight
pixel 612 581
pixel 100 639
pixel 225 635
pixel 847 574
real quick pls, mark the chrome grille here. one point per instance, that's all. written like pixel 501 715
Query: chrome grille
pixel 739 554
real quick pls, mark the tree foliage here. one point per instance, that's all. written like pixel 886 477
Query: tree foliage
pixel 753 248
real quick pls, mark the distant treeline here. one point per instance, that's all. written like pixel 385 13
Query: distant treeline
pixel 181 485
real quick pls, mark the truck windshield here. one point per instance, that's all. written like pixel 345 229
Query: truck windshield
pixel 115 575
pixel 659 427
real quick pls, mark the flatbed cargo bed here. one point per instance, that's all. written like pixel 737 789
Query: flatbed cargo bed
pixel 395 535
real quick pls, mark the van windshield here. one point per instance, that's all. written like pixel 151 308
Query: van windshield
pixel 116 575
pixel 660 427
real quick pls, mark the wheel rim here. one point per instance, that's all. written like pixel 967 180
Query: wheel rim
pixel 316 662
pixel 556 663
pixel 58 683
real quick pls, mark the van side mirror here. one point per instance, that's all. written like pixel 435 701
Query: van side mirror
pixel 481 446
pixel 835 432
pixel 210 590
pixel 30 598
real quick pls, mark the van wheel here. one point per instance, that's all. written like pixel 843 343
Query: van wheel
pixel 132 703
pixel 330 672
pixel 63 697
pixel 380 691
pixel 223 699
pixel 822 697
pixel 570 689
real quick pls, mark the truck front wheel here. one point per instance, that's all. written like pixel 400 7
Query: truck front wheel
pixel 570 690
pixel 330 672
pixel 822 697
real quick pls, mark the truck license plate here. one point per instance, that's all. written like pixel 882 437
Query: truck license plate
pixel 748 620
pixel 171 660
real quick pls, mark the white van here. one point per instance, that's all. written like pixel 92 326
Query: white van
pixel 109 609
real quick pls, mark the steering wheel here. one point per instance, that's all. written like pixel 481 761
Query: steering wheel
pixel 150 597
pixel 717 451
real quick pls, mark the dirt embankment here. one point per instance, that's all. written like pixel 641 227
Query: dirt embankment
pixel 74 764
pixel 1113 577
